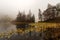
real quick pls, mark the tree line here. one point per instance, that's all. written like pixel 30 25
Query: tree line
pixel 50 13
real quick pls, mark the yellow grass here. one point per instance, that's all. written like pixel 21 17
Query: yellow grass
pixel 37 27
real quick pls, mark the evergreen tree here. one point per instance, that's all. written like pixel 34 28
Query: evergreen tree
pixel 50 13
pixel 23 17
pixel 49 6
pixel 33 18
pixel 58 9
pixel 40 15
pixel 18 19
pixel 58 6
pixel 29 16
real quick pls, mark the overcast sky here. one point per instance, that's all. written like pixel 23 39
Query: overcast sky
pixel 11 7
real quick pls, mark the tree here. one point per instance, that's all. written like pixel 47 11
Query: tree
pixel 58 6
pixel 33 18
pixel 19 17
pixel 49 5
pixel 29 16
pixel 58 9
pixel 30 19
pixel 40 15
pixel 23 17
pixel 50 13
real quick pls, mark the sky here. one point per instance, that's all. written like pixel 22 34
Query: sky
pixel 12 7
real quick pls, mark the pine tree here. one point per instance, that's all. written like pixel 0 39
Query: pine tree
pixel 33 18
pixel 40 15
pixel 18 19
pixel 49 6
pixel 23 17
pixel 50 13
pixel 29 16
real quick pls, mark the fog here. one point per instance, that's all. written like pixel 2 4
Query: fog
pixel 5 24
pixel 7 27
pixel 11 7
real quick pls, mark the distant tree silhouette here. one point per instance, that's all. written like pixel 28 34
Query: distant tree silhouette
pixel 33 18
pixel 29 16
pixel 49 5
pixel 21 17
pixel 18 19
pixel 40 15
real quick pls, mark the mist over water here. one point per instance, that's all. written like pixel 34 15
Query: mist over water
pixel 5 24
pixel 7 27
